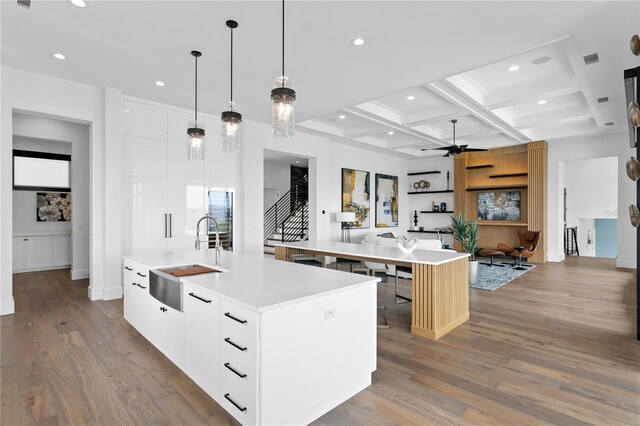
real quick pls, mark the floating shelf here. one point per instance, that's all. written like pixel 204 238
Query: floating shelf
pixel 431 192
pixel 481 188
pixel 432 172
pixel 481 166
pixel 501 223
pixel 430 232
pixel 504 175
pixel 447 211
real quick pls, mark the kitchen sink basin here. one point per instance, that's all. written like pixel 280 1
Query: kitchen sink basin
pixel 165 285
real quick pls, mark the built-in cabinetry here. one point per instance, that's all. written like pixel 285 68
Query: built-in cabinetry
pixel 41 252
pixel 164 193
pixel 416 189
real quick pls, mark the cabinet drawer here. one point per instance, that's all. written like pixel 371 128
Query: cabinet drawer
pixel 237 319
pixel 241 351
pixel 243 392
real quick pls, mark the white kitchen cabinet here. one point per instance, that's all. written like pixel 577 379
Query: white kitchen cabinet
pixel 166 330
pixel 145 157
pixel 146 221
pixel 41 252
pixel 145 120
pixel 136 296
pixel 61 250
pixel 202 334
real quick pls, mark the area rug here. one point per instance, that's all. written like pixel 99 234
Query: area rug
pixel 491 278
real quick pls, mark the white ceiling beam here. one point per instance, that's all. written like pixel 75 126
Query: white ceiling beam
pixel 378 110
pixel 321 127
pixel 579 68
pixel 447 91
pixel 431 115
pixel 531 92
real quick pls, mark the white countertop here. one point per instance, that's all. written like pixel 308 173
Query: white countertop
pixel 256 282
pixel 384 253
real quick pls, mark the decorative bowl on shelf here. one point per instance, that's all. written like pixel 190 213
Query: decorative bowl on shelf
pixel 407 245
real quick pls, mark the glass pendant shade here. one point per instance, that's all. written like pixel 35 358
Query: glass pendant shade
pixel 283 112
pixel 231 128
pixel 195 142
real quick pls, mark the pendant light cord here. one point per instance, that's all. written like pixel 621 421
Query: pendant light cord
pixel 454 133
pixel 196 96
pixel 231 96
pixel 282 43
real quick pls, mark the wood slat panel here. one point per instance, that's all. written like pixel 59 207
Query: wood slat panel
pixel 537 181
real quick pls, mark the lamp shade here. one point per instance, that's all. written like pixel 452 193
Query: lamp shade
pixel 345 217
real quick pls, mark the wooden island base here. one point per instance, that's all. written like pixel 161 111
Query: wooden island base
pixel 440 293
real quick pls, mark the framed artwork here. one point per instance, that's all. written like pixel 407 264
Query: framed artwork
pixel 53 206
pixel 355 196
pixel 502 205
pixel 386 201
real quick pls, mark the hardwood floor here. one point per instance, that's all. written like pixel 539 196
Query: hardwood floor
pixel 554 346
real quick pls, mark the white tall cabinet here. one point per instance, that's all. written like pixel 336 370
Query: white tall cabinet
pixel 165 194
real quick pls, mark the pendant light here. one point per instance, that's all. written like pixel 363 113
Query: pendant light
pixel 283 97
pixel 195 133
pixel 231 131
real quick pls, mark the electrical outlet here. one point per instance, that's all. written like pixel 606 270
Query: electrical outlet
pixel 330 314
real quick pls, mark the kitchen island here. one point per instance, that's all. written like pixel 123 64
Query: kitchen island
pixel 439 280
pixel 271 342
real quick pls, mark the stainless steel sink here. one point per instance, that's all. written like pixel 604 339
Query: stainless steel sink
pixel 165 285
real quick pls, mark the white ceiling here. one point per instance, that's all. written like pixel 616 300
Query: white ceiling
pixel 452 56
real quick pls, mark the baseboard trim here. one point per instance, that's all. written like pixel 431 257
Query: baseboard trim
pixel 7 307
pixel 95 293
pixel 555 258
pixel 79 274
pixel 626 263
pixel 43 268
pixel 112 293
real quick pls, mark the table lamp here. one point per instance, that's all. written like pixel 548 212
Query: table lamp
pixel 346 219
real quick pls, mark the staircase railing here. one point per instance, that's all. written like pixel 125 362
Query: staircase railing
pixel 294 228
pixel 276 214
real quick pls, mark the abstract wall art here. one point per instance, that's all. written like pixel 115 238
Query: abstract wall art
pixel 386 201
pixel 355 196
pixel 499 206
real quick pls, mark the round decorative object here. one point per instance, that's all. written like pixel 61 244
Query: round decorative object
pixel 634 114
pixel 634 215
pixel 632 105
pixel 416 185
pixel 424 184
pixel 407 245
pixel 634 44
pixel 633 169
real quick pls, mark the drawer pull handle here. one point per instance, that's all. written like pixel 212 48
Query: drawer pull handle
pixel 143 276
pixel 234 344
pixel 243 409
pixel 199 298
pixel 228 315
pixel 128 269
pixel 163 309
pixel 141 286
pixel 242 376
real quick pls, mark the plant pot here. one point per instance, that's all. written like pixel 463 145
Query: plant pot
pixel 473 271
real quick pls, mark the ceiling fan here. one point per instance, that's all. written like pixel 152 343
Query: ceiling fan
pixel 455 149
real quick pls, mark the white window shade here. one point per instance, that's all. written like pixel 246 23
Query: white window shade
pixel 32 173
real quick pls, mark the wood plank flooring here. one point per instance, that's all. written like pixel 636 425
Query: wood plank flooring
pixel 554 346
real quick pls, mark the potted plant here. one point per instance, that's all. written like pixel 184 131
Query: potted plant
pixel 466 233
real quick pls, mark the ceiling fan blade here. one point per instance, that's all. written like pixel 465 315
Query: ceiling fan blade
pixel 448 148
pixel 446 155
pixel 475 150
pixel 25 3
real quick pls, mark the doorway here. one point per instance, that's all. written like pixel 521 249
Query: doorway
pixel 51 210
pixel 591 207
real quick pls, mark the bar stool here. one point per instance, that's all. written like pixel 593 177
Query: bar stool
pixel 382 274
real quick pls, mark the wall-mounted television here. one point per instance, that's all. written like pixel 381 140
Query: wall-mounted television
pixel 499 205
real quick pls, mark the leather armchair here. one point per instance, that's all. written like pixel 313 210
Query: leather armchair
pixel 528 240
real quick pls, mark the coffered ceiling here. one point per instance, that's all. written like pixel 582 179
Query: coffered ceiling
pixel 452 56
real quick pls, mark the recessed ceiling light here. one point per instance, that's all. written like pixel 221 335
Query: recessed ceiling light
pixel 160 83
pixel 79 3
pixel 410 97
pixel 542 102
pixel 59 56
pixel 390 133
pixel 342 116
pixel 541 60
pixel 514 68
pixel 358 42
pixel 297 162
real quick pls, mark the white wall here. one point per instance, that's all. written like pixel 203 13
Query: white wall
pixel 277 176
pixel 77 135
pixel 592 192
pixel 588 147
pixel 24 202
pixel 419 202
pixel 35 93
pixel 326 159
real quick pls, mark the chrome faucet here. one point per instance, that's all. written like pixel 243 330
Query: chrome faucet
pixel 218 247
